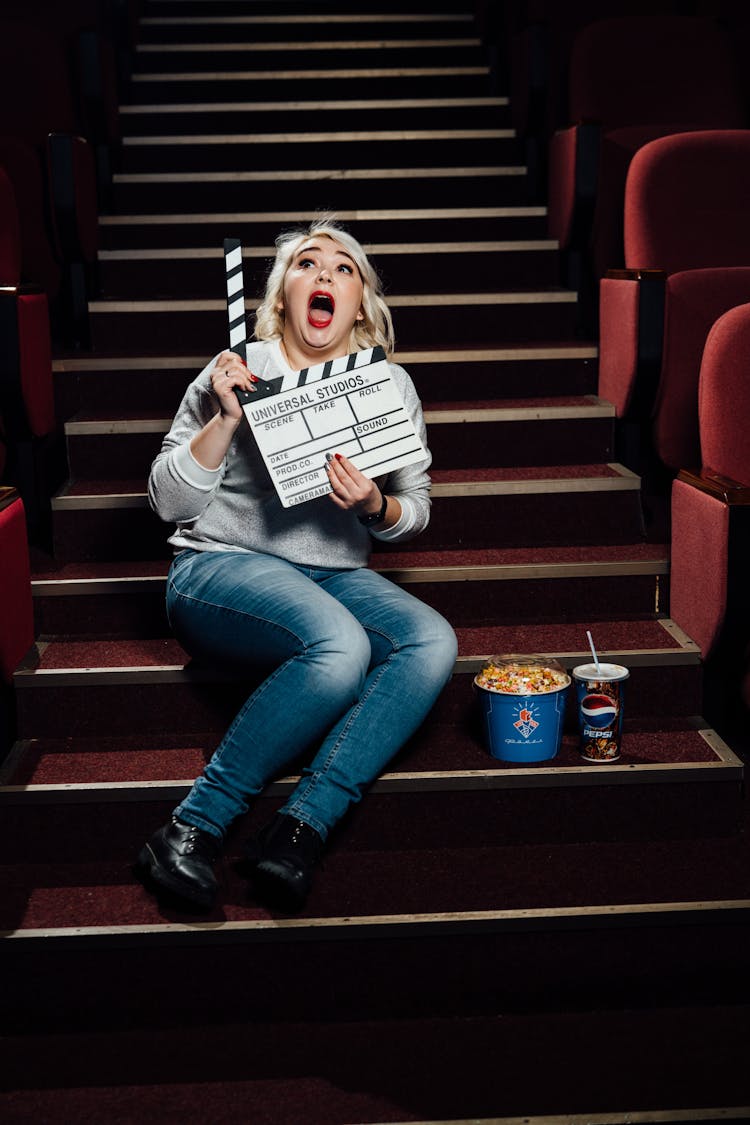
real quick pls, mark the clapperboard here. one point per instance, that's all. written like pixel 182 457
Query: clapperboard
pixel 349 405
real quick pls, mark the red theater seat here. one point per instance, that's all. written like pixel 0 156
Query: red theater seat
pixel 540 35
pixel 40 254
pixel 27 402
pixel 631 80
pixel 3 450
pixel 16 613
pixel 17 627
pixel 711 517
pixel 41 116
pixel 87 32
pixel 687 253
pixel 26 395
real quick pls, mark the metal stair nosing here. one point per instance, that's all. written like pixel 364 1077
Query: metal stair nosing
pixel 437 924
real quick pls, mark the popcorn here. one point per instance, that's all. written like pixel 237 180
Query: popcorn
pixel 522 675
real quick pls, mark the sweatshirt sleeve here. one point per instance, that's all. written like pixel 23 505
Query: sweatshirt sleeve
pixel 179 488
pixel 410 485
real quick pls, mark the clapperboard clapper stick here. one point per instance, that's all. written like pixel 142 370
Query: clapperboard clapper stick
pixel 348 405
pixel 237 317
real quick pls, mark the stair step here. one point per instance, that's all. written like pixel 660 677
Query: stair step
pixel 94 687
pixel 104 384
pixel 298 151
pixel 324 189
pixel 365 114
pixel 673 781
pixel 296 13
pixel 454 265
pixel 258 228
pixel 212 78
pixel 391 893
pixel 419 318
pixel 472 508
pixel 298 59
pixel 469 587
pixel 300 30
pixel 234 1064
pixel 460 434
pixel 646 643
pixel 365 34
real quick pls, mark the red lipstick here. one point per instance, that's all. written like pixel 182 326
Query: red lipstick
pixel 320 308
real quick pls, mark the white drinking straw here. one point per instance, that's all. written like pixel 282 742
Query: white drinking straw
pixel 593 653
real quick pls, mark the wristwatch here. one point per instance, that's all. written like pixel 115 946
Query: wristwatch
pixel 375 517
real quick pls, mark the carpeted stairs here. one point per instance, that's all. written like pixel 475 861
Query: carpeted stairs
pixel 483 940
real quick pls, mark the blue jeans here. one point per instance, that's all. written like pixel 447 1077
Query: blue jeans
pixel 356 663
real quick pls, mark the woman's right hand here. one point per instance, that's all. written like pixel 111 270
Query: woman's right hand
pixel 209 447
pixel 229 372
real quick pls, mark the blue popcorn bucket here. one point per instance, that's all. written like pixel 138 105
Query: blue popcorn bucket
pixel 522 701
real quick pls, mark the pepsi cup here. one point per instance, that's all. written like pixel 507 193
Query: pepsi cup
pixel 600 690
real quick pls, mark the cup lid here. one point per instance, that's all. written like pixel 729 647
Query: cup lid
pixel 605 671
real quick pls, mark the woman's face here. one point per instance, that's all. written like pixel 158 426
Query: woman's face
pixel 322 300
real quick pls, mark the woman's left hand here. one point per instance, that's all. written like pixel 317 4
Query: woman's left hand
pixel 351 489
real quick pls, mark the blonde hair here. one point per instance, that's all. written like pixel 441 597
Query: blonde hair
pixel 377 326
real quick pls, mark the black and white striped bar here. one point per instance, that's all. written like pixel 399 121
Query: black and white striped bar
pixel 331 367
pixel 314 374
pixel 235 297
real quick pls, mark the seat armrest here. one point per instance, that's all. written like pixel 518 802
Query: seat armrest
pixel 709 591
pixel 631 336
pixel 16 614
pixel 730 492
pixel 26 386
pixel 573 181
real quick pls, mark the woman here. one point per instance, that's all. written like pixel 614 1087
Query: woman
pixel 354 663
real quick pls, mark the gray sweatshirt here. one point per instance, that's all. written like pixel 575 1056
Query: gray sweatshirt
pixel 236 508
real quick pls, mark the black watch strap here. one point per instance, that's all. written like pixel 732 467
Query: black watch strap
pixel 375 517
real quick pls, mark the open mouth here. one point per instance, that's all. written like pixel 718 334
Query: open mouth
pixel 320 309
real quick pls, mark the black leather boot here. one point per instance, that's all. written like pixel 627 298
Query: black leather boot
pixel 180 858
pixel 284 855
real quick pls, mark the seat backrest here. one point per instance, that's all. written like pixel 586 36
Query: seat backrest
pixel 27 389
pixel 40 258
pixel 36 87
pixel 552 28
pixel 3 449
pixel 652 69
pixel 686 202
pixel 724 397
pixel 709 543
pixel 16 613
pixel 10 234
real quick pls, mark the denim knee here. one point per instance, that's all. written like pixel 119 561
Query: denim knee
pixel 447 645
pixel 436 641
pixel 343 656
